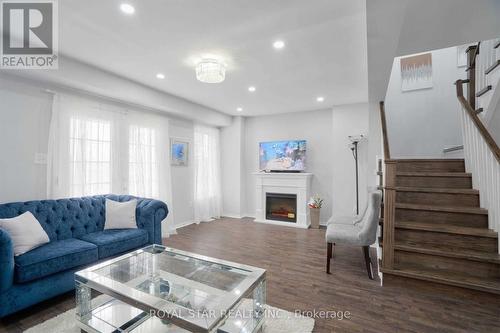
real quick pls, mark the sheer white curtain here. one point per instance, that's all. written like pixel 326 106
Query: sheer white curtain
pixel 149 173
pixel 82 141
pixel 207 182
pixel 97 148
pixel 143 167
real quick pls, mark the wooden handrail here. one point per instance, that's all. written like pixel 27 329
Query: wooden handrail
pixel 477 121
pixel 387 153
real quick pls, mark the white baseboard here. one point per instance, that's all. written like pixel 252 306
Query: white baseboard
pixel 233 216
pixel 183 224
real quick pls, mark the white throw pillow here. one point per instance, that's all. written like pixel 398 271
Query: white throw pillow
pixel 120 215
pixel 25 231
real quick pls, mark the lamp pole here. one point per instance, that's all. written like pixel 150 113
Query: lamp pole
pixel 355 154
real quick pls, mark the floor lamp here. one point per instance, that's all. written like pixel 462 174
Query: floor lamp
pixel 355 139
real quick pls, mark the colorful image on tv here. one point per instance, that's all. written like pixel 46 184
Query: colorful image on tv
pixel 283 155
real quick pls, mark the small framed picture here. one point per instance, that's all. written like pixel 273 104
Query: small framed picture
pixel 179 152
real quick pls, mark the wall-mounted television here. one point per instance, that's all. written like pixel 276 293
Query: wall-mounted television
pixel 283 156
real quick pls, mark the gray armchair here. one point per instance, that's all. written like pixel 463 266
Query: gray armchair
pixel 360 230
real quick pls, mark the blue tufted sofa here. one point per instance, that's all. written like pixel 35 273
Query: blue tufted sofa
pixel 77 239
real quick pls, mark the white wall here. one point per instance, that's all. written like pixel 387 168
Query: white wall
pixel 315 127
pixel 24 126
pixel 421 123
pixel 233 168
pixel 348 120
pixel 375 144
pixel 399 27
pixel 182 176
pixel 328 155
pixel 25 111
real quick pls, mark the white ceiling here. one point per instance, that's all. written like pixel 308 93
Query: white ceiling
pixel 325 53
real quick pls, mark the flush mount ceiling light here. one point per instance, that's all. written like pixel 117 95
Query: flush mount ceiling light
pixel 127 8
pixel 320 99
pixel 239 109
pixel 251 89
pixel 160 76
pixel 279 44
pixel 210 71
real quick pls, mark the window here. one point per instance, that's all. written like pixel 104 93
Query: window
pixel 96 148
pixel 90 156
pixel 143 166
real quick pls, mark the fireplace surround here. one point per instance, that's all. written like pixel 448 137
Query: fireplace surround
pixel 286 185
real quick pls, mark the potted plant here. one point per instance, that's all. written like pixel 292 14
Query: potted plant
pixel 315 204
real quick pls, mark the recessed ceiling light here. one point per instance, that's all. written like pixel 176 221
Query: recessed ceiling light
pixel 279 44
pixel 127 8
pixel 160 76
pixel 239 109
pixel 320 99
pixel 251 89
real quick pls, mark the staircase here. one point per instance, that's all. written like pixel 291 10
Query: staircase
pixel 439 233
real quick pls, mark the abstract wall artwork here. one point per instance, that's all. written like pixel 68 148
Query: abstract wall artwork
pixel 416 72
pixel 179 152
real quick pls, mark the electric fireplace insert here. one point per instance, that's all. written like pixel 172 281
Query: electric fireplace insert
pixel 281 207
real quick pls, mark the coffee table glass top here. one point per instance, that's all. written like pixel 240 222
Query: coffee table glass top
pixel 194 291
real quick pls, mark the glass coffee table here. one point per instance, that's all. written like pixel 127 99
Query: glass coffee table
pixel 160 289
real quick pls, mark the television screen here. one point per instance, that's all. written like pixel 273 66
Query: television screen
pixel 283 155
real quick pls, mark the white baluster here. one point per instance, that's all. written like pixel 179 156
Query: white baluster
pixel 485 169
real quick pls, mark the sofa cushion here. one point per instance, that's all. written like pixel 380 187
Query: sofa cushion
pixel 25 231
pixel 116 241
pixel 52 258
pixel 120 215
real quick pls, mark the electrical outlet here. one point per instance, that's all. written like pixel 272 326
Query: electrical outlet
pixel 40 158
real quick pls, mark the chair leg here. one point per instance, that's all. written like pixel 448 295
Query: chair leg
pixel 328 256
pixel 366 252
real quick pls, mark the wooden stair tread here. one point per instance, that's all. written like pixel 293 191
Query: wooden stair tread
pixel 446 228
pixel 417 160
pixel 435 190
pixel 491 285
pixel 437 250
pixel 451 209
pixel 440 234
pixel 434 174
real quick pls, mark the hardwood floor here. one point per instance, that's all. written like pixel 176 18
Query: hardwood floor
pixel 296 280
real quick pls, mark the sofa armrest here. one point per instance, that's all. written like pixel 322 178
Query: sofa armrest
pixel 6 261
pixel 150 214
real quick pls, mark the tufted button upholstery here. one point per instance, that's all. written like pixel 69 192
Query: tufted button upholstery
pixel 75 217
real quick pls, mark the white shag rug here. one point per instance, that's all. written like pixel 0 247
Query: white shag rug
pixel 282 321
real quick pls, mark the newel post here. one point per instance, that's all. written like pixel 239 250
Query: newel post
pixel 472 52
pixel 389 214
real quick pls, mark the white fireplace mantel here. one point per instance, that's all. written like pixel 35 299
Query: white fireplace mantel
pixel 286 183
